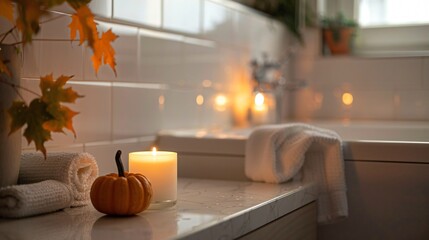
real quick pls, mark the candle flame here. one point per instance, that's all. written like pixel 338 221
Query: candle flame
pixel 154 151
pixel 259 99
pixel 220 102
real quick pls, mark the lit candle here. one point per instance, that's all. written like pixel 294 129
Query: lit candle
pixel 259 110
pixel 160 167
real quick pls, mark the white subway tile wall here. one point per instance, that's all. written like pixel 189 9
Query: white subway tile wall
pixel 182 16
pixel 138 11
pixel 102 8
pixel 168 53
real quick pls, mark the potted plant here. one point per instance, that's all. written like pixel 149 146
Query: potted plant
pixel 338 34
pixel 46 113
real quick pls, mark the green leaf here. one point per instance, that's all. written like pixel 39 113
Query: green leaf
pixel 36 117
pixel 19 114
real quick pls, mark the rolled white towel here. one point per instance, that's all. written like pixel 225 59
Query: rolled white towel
pixel 77 170
pixel 33 199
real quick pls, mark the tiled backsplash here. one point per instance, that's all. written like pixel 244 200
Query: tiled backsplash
pixel 383 88
pixel 168 53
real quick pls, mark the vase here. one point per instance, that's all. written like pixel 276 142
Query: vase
pixel 10 145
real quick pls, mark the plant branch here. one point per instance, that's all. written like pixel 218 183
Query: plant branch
pixel 15 86
pixel 52 19
pixel 45 39
pixel 6 33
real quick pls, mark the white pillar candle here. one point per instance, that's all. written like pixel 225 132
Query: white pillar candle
pixel 260 114
pixel 160 167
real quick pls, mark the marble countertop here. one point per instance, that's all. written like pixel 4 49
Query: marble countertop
pixel 206 209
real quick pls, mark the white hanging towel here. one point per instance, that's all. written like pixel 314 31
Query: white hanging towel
pixel 278 153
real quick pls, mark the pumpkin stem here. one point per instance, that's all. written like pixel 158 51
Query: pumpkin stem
pixel 119 164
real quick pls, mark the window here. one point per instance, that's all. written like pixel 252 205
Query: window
pixel 387 27
pixel 393 12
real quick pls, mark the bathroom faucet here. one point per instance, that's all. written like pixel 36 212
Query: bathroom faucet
pixel 269 75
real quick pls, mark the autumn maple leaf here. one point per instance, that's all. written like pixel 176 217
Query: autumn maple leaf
pixel 34 116
pixel 6 9
pixel 104 52
pixel 45 114
pixel 84 24
pixel 29 13
pixel 53 94
pixel 62 118
pixel 54 91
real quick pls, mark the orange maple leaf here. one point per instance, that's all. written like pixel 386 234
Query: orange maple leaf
pixel 104 52
pixel 62 119
pixel 6 9
pixel 29 13
pixel 83 22
pixel 53 94
pixel 54 91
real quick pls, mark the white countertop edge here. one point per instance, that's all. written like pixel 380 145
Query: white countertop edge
pixel 250 219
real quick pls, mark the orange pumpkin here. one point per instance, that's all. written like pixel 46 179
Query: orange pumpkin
pixel 121 194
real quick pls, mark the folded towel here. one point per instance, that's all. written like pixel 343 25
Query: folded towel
pixel 32 199
pixel 279 153
pixel 77 170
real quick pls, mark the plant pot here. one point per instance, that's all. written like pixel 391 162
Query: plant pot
pixel 10 145
pixel 339 41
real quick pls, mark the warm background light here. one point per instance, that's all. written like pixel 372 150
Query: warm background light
pixel 161 102
pixel 207 83
pixel 347 99
pixel 199 100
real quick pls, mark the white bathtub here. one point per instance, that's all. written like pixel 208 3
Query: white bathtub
pixel 363 140
pixel 386 165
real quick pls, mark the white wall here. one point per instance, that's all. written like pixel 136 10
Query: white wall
pixel 169 58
